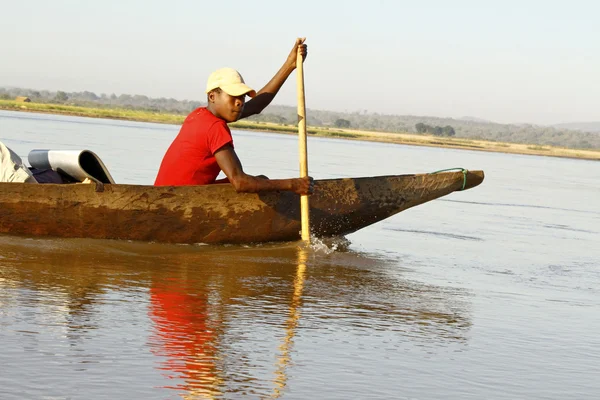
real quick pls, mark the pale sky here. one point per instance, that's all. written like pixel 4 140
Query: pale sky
pixel 505 61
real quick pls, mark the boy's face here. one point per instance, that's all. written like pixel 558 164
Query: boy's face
pixel 225 106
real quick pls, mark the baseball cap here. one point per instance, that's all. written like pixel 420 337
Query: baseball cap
pixel 230 81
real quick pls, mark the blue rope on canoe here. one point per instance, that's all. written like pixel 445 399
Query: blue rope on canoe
pixel 464 171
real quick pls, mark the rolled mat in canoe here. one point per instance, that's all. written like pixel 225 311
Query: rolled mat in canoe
pixel 78 164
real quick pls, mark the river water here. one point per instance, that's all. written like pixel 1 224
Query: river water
pixel 491 293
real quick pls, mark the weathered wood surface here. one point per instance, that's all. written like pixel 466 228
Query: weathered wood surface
pixel 214 213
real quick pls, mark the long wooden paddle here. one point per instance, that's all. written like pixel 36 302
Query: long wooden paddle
pixel 302 146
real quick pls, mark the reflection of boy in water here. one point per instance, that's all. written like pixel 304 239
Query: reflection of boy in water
pixel 184 336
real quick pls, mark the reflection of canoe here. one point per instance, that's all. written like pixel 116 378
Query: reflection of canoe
pixel 215 213
pixel 220 300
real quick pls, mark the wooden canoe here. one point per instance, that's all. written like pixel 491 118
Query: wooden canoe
pixel 215 213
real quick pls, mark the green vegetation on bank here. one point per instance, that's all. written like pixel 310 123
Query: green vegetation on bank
pixel 169 110
pixel 111 113
pixel 147 116
pixel 395 137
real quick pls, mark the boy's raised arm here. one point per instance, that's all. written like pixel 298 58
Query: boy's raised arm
pixel 265 95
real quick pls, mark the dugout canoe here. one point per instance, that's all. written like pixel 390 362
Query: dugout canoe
pixel 215 213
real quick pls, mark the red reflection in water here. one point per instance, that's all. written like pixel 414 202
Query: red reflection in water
pixel 185 336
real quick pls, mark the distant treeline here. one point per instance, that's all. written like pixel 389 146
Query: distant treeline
pixel 435 130
pixel 90 99
pixel 372 121
pixel 360 120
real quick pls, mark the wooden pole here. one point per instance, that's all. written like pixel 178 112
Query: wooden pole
pixel 302 147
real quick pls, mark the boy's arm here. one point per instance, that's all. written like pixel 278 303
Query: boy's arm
pixel 232 167
pixel 265 95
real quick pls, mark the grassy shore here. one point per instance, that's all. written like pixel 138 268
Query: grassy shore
pixel 399 138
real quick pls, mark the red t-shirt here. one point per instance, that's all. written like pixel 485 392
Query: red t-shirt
pixel 190 160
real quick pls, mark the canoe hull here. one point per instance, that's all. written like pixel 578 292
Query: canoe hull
pixel 214 213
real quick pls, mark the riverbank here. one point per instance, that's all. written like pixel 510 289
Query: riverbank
pixel 397 138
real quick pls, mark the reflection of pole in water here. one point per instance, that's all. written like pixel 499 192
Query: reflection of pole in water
pixel 292 322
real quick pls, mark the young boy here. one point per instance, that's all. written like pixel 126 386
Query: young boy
pixel 204 145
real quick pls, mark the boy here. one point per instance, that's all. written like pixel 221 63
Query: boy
pixel 204 145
